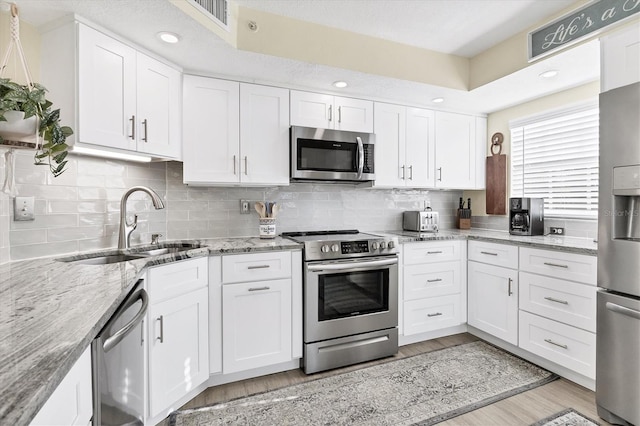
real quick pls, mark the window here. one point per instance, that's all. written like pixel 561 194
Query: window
pixel 555 157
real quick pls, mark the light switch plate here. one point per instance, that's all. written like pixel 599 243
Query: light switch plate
pixel 23 208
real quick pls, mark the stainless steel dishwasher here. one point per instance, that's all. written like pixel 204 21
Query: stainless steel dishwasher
pixel 117 356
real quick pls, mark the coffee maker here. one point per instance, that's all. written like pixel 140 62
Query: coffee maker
pixel 526 216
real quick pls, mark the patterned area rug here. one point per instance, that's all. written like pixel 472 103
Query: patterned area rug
pixel 568 417
pixel 424 389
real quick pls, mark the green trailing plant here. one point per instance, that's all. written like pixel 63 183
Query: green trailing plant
pixel 32 101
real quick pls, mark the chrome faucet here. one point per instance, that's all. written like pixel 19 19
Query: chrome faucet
pixel 124 233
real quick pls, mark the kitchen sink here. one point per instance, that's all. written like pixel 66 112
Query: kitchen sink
pixel 102 260
pixel 117 257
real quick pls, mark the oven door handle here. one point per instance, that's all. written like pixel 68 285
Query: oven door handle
pixel 354 265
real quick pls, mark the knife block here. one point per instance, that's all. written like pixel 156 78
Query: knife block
pixel 463 219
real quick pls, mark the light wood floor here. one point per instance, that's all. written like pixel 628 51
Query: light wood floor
pixel 522 409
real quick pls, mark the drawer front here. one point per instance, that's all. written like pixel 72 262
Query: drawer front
pixel 256 266
pixel 568 346
pixel 565 301
pixel 177 278
pixel 432 314
pixel 494 254
pixel 432 280
pixel 568 266
pixel 441 251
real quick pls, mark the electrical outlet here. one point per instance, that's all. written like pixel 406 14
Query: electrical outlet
pixel 556 231
pixel 244 206
pixel 23 208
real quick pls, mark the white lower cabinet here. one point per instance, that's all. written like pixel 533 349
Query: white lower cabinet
pixel 433 284
pixel 567 346
pixel 178 332
pixel 493 300
pixel 256 324
pixel 71 402
pixel 260 318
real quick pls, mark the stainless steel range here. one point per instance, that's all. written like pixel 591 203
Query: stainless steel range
pixel 350 297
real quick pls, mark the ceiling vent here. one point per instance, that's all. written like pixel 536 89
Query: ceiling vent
pixel 216 10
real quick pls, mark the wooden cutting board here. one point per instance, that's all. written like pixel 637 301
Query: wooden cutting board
pixel 496 171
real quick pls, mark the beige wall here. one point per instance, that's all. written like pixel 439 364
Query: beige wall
pixel 499 122
pixel 30 40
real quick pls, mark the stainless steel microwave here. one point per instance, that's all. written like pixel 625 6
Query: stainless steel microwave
pixel 331 155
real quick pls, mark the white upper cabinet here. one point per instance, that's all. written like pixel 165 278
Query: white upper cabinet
pixel 211 130
pixel 460 151
pixel 620 58
pixel 123 100
pixel 235 133
pixel 404 147
pixel 331 112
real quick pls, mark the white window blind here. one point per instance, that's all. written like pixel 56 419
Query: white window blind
pixel 555 157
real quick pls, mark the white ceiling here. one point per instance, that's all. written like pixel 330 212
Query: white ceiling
pixel 463 27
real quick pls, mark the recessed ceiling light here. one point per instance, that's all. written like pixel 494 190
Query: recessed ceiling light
pixel 549 74
pixel 437 100
pixel 168 37
pixel 340 84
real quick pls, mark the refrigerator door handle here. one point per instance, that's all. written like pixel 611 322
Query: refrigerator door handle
pixel 623 310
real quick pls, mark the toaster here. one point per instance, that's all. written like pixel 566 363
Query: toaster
pixel 420 221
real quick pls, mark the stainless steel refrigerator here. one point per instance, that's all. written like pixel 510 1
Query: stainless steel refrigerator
pixel 618 317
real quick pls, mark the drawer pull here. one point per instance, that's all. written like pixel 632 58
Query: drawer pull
pixel 259 288
pixel 510 284
pixel 434 280
pixel 551 299
pixel 623 310
pixel 557 265
pixel 434 252
pixel 258 267
pixel 489 253
pixel 435 315
pixel 557 344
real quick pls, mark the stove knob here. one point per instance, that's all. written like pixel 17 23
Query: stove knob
pixel 383 245
pixel 335 248
pixel 374 245
pixel 324 249
pixel 391 245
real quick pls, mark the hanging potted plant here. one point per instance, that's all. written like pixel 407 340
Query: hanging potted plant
pixel 25 110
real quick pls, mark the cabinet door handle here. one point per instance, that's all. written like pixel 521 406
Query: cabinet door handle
pixel 133 127
pixel 551 299
pixel 410 172
pixel 557 344
pixel 436 280
pixel 330 113
pixel 489 253
pixel 259 288
pixel 144 126
pixel 161 337
pixel 258 266
pixel 234 164
pixel 246 166
pixel 402 172
pixel 434 252
pixel 435 315
pixel 510 283
pixel 557 265
pixel 440 171
pixel 339 114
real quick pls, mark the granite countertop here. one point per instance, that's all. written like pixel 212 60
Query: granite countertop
pixel 547 242
pixel 50 311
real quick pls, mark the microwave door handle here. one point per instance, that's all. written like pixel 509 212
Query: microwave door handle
pixel 360 156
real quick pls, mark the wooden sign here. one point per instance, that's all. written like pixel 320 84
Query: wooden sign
pixel 496 178
pixel 575 26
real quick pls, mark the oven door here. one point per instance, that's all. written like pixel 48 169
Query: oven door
pixel 347 297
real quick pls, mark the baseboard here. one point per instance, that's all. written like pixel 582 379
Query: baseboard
pixel 221 379
pixel 538 360
pixel 421 337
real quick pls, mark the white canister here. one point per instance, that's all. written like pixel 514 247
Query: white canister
pixel 267 227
